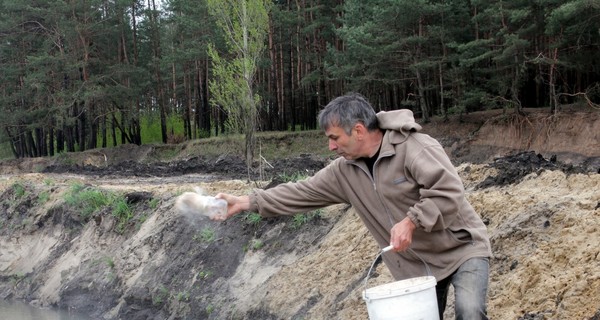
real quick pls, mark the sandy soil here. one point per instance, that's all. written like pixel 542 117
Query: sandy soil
pixel 541 211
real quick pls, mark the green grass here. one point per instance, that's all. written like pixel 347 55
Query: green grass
pixel 19 190
pixel 257 244
pixel 89 200
pixel 301 219
pixel 254 245
pixel 162 295
pixel 166 152
pixel 269 145
pixel 43 197
pixel 252 218
pixel 206 235
pixel 110 262
pixel 210 309
pixel 65 158
pixel 153 204
pixel 292 144
pixel 183 296
pixel 150 127
pixel 204 274
pixel 122 211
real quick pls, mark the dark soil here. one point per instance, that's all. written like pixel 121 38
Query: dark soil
pixel 224 167
pixel 511 168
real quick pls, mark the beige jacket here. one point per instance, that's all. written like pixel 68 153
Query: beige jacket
pixel 412 177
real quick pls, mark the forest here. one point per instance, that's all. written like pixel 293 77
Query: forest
pixel 83 74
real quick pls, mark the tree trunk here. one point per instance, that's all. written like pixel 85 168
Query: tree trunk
pixel 272 81
pixel 421 98
pixel 441 79
pixel 51 141
pixel 60 141
pixel 81 132
pixel 552 82
pixel 420 85
pixel 114 131
pixel 103 131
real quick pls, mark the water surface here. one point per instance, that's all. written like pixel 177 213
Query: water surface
pixel 17 310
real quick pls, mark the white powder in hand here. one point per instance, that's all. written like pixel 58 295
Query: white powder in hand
pixel 194 203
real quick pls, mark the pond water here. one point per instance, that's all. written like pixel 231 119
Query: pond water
pixel 17 310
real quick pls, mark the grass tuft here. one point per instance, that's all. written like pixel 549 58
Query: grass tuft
pixel 89 200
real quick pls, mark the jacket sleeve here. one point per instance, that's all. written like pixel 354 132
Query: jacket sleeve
pixel 318 191
pixel 441 192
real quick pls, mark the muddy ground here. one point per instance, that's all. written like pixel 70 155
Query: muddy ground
pixel 535 183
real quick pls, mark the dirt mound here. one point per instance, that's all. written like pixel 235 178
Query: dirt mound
pixel 223 167
pixel 512 168
pixel 540 205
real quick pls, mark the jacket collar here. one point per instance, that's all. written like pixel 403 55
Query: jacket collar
pixel 390 139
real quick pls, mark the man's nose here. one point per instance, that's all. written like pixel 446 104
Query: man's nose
pixel 332 146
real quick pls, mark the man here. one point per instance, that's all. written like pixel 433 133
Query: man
pixel 406 191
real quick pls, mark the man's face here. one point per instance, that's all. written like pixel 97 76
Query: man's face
pixel 343 144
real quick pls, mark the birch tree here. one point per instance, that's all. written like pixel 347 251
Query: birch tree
pixel 245 25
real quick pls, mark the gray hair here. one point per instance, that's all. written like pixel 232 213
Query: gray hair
pixel 346 111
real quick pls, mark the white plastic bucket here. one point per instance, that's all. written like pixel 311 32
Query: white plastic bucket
pixel 409 299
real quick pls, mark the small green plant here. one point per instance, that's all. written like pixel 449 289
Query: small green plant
pixel 183 296
pixel 204 274
pixel 153 203
pixel 122 211
pixel 161 296
pixel 256 244
pixel 19 190
pixel 43 197
pixel 210 309
pixel 301 219
pixel 252 218
pixel 110 262
pixel 206 235
pixel 141 219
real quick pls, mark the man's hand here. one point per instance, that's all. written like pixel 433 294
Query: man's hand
pixel 235 205
pixel 401 234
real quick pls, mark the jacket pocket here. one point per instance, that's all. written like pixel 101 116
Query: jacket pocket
pixel 462 235
pixel 442 241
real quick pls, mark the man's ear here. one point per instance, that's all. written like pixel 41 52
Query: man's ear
pixel 360 130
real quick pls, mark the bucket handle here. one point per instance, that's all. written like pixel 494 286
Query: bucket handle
pixel 388 248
